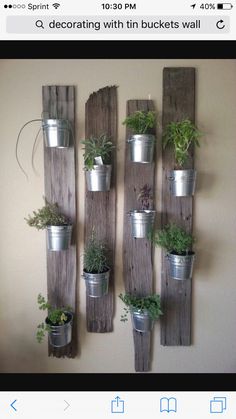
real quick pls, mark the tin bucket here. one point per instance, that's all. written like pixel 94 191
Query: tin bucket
pixel 96 284
pixel 182 182
pixel 56 132
pixel 141 321
pixel 99 178
pixel 180 267
pixel 59 237
pixel 60 335
pixel 141 148
pixel 142 222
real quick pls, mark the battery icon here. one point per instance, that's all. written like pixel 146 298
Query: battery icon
pixel 224 6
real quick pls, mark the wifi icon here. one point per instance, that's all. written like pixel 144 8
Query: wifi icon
pixel 56 5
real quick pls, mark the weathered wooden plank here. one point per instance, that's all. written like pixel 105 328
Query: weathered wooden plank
pixel 178 103
pixel 137 253
pixel 60 187
pixel 100 207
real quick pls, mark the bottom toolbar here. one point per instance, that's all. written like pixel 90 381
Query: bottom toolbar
pixel 104 405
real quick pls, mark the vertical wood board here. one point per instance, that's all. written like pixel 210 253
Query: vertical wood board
pixel 178 104
pixel 137 253
pixel 100 207
pixel 60 187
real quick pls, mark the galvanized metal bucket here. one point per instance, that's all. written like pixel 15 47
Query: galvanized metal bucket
pixel 99 178
pixel 97 284
pixel 59 237
pixel 142 222
pixel 182 182
pixel 141 321
pixel 61 335
pixel 180 267
pixel 56 132
pixel 141 148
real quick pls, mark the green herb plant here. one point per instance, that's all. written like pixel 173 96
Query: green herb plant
pixel 145 197
pixel 173 239
pixel 95 256
pixel 97 147
pixel 180 136
pixel 141 122
pixel 56 317
pixel 150 303
pixel 47 216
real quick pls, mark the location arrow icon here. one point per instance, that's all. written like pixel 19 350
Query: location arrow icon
pixel 193 5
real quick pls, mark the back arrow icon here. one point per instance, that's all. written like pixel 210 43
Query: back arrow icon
pixel 67 405
pixel 12 405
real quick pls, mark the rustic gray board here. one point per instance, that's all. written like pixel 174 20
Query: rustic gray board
pixel 60 187
pixel 137 253
pixel 100 207
pixel 178 104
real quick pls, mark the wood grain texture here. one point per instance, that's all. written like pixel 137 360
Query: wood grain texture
pixel 178 104
pixel 137 253
pixel 100 207
pixel 60 187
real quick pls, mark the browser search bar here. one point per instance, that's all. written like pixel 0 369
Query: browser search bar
pixel 118 25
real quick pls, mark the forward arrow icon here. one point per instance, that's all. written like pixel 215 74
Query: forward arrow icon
pixel 67 405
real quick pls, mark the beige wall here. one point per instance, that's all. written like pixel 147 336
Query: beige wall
pixel 22 250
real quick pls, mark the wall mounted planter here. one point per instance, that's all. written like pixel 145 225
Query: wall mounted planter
pixel 59 237
pixel 142 222
pixel 97 284
pixel 56 132
pixel 182 182
pixel 137 254
pixel 60 186
pixel 141 321
pixel 176 296
pixel 100 208
pixel 180 267
pixel 141 147
pixel 60 336
pixel 99 178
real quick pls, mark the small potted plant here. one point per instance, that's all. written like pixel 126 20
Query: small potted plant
pixel 180 136
pixel 97 159
pixel 144 311
pixel 58 324
pixel 142 141
pixel 57 225
pixel 96 270
pixel 56 133
pixel 142 220
pixel 178 244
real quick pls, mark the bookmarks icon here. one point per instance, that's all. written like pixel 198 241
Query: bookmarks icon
pixel 168 404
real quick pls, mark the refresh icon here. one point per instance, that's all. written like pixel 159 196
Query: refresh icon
pixel 220 24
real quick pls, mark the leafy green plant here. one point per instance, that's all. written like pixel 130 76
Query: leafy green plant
pixel 141 122
pixel 97 147
pixel 56 317
pixel 150 303
pixel 95 256
pixel 47 216
pixel 173 239
pixel 180 135
pixel 145 197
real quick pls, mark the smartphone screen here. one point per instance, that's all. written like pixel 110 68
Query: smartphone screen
pixel 118 199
